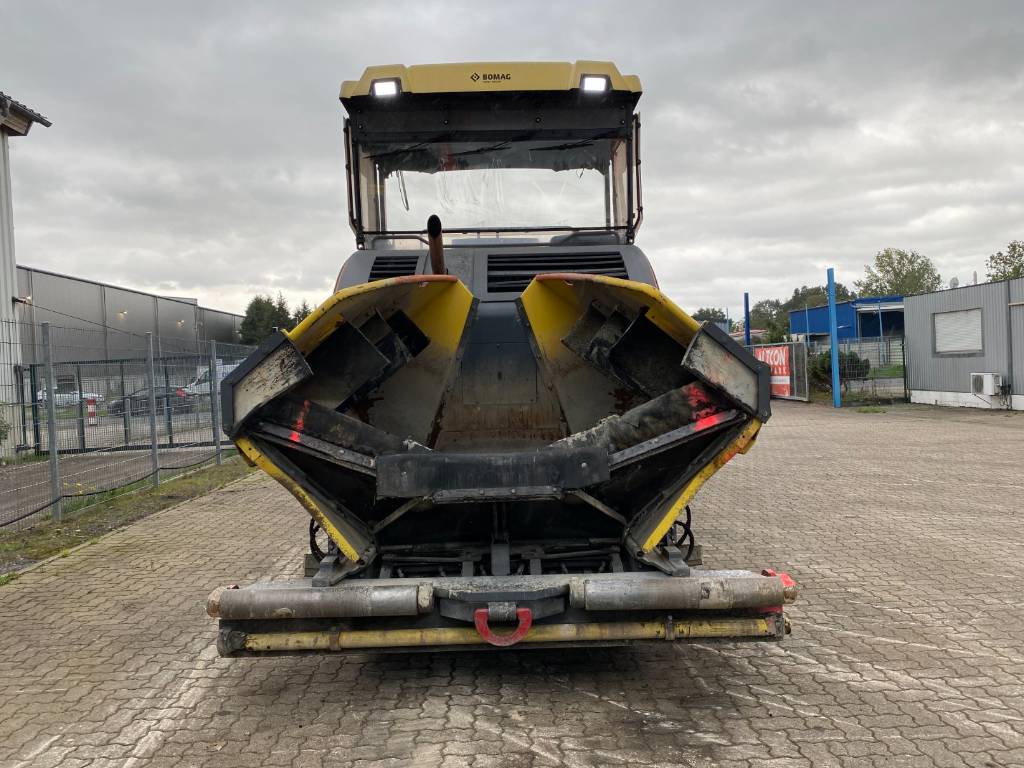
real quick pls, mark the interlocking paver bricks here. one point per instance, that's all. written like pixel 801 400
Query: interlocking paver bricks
pixel 903 529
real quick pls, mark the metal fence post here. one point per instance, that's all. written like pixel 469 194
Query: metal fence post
pixel 51 425
pixel 125 407
pixel 19 376
pixel 168 409
pixel 215 401
pixel 807 371
pixel 81 408
pixel 903 360
pixel 151 383
pixel 837 398
pixel 33 384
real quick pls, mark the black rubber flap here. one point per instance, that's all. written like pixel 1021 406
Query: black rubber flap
pixel 408 475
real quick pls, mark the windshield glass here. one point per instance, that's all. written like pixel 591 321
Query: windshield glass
pixel 486 185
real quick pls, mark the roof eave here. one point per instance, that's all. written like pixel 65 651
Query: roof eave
pixel 16 118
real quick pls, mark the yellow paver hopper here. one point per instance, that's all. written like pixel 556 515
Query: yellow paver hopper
pixel 496 424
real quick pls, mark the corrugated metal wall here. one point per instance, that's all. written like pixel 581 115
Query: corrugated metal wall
pixel 929 371
pixel 1017 333
pixel 109 316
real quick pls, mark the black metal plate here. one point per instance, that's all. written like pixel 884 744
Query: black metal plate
pixel 423 474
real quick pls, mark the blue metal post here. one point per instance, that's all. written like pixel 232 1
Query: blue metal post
pixel 833 332
pixel 881 334
pixel 746 319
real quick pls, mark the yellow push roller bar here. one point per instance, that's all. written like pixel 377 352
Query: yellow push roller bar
pixel 691 629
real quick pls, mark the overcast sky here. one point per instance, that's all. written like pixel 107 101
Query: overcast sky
pixel 196 147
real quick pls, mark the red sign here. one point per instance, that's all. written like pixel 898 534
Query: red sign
pixel 778 358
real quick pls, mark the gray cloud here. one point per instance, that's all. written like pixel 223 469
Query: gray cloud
pixel 196 147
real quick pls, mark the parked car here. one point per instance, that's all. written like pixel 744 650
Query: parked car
pixel 200 385
pixel 138 401
pixel 64 399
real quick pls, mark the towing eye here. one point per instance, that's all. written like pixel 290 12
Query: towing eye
pixel 525 617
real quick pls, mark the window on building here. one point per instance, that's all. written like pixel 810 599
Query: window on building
pixel 958 332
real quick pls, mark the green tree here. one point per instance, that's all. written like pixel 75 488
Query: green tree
pixel 812 296
pixel 898 272
pixel 712 314
pixel 1008 265
pixel 283 315
pixel 775 332
pixel 765 312
pixel 301 313
pixel 262 315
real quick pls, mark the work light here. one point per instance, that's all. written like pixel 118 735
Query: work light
pixel 594 83
pixel 385 88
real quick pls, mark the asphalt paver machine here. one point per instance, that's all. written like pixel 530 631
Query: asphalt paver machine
pixel 497 422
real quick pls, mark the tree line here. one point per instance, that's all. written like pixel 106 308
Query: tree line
pixel 894 272
pixel 263 314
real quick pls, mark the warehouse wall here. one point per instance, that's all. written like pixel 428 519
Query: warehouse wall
pixel 104 322
pixel 933 374
pixel 1017 333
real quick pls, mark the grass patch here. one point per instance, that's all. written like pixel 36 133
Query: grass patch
pixel 887 372
pixel 870 409
pixel 28 457
pixel 7 578
pixel 22 548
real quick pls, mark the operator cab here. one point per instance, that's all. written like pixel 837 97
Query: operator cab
pixel 531 167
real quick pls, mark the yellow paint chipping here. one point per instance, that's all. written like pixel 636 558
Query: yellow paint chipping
pixel 253 454
pixel 689 629
pixel 738 445
pixel 439 307
pixel 556 304
pixel 397 293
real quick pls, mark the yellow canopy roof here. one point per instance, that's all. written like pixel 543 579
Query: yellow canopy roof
pixel 495 76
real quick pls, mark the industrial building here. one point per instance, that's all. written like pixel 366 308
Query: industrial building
pixel 105 322
pixel 965 346
pixel 856 319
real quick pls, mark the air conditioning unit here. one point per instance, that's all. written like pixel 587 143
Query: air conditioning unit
pixel 986 383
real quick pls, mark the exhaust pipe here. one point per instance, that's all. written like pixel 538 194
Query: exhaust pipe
pixel 435 239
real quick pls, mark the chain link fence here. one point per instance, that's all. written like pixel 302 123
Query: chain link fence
pixel 788 361
pixel 77 426
pixel 870 370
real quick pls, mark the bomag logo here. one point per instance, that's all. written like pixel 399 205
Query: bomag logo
pixel 490 77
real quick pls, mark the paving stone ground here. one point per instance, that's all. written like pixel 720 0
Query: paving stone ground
pixel 904 529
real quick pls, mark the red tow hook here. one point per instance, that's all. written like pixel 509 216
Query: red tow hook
pixel 525 616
